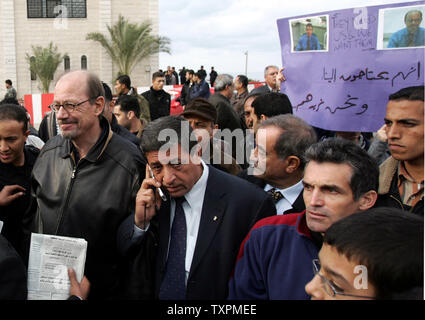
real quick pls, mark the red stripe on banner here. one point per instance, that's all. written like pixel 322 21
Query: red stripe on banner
pixel 46 101
pixel 28 106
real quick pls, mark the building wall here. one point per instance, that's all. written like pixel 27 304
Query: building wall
pixel 19 33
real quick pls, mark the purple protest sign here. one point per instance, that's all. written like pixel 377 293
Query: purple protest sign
pixel 342 65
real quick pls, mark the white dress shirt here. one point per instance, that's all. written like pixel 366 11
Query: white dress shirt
pixel 289 196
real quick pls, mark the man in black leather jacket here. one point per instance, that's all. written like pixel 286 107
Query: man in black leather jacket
pixel 85 181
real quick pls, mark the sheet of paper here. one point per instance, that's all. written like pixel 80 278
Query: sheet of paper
pixel 49 260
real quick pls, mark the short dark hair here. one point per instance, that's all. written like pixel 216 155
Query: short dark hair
pixel 389 242
pixel 150 141
pixel 243 80
pixel 308 25
pixel 410 93
pixel 9 82
pixel 365 175
pixel 108 92
pixel 125 80
pixel 129 103
pixel 190 71
pixel 157 74
pixel 14 112
pixel 295 138
pixel 272 104
pixel 199 75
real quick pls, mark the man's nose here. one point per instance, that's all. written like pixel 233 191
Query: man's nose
pixel 393 132
pixel 316 199
pixel 169 177
pixel 3 146
pixel 314 288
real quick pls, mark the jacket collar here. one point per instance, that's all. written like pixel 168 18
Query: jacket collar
pixel 303 229
pixel 97 150
pixel 387 170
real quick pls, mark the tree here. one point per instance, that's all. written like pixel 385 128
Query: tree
pixel 130 43
pixel 43 63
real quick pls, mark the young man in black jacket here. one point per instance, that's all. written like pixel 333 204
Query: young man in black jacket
pixel 159 100
pixel 16 163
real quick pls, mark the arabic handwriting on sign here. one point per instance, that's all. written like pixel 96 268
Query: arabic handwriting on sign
pixel 364 107
pixel 333 75
pixel 412 69
pixel 309 98
pixel 368 74
pixel 350 102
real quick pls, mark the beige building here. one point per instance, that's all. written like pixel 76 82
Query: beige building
pixel 24 23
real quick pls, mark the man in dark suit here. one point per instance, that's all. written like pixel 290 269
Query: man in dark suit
pixel 201 224
pixel 278 162
pixel 273 77
pixel 13 275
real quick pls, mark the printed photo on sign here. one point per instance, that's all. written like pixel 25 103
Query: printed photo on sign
pixel 401 28
pixel 309 34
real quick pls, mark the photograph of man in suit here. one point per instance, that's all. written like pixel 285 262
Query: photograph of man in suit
pixel 308 41
pixel 411 36
pixel 202 223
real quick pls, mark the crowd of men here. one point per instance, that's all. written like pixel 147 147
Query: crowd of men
pixel 174 209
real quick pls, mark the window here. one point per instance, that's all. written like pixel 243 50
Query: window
pixel 67 63
pixel 33 75
pixel 55 8
pixel 84 62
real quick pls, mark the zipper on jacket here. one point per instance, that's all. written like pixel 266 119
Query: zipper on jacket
pixel 67 198
pixel 398 201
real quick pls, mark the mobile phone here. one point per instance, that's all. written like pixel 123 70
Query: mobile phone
pixel 161 193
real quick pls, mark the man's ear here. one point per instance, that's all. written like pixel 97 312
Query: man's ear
pixel 99 103
pixel 263 117
pixel 130 115
pixel 367 200
pixel 293 163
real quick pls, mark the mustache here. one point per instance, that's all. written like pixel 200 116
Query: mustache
pixel 66 121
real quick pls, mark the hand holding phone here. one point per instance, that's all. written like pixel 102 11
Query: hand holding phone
pixel 147 201
pixel 161 193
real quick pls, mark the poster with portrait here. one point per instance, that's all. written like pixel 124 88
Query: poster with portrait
pixel 345 85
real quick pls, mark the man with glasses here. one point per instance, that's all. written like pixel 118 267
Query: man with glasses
pixel 376 254
pixel 411 36
pixel 274 261
pixel 85 181
pixel 273 77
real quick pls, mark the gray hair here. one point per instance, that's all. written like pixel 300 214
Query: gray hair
pixel 222 81
pixel 296 137
pixel 269 67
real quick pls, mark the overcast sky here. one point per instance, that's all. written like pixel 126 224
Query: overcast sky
pixel 218 32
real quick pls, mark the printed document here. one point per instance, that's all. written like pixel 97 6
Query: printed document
pixel 49 260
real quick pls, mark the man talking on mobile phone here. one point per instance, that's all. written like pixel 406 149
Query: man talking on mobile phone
pixel 202 226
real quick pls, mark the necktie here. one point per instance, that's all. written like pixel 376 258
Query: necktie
pixel 410 38
pixel 308 43
pixel 173 285
pixel 275 194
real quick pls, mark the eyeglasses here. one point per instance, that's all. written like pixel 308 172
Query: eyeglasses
pixel 327 285
pixel 68 106
pixel 414 20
